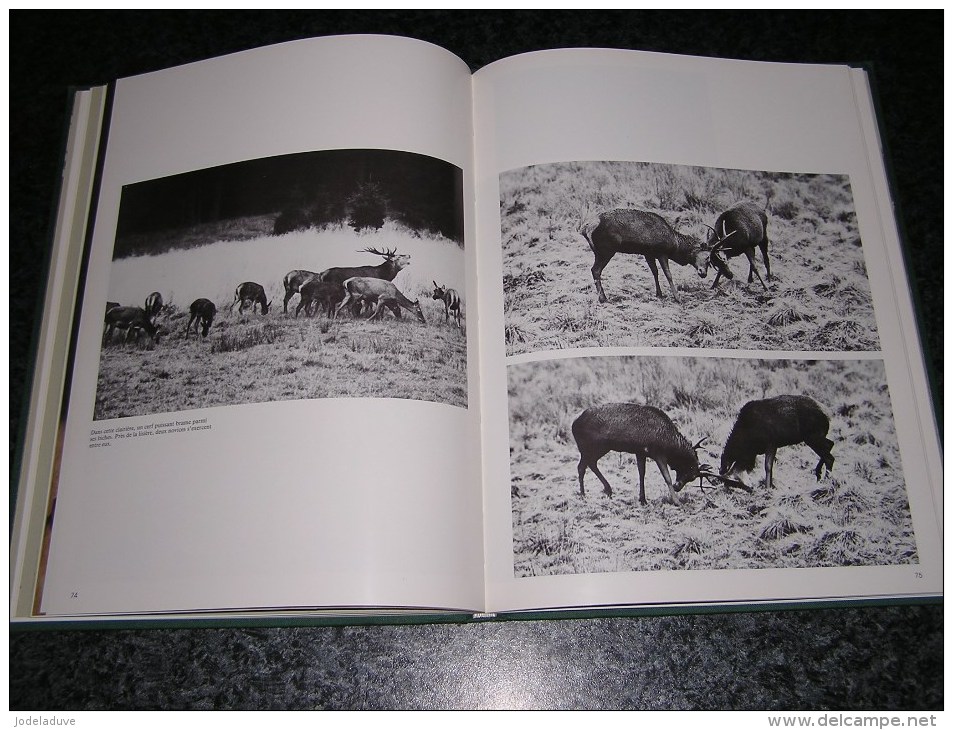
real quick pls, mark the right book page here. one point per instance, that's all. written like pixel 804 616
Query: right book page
pixel 700 369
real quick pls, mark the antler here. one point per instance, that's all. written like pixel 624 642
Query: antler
pixel 720 244
pixel 706 471
pixel 388 254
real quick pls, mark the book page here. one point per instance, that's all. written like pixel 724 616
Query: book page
pixel 695 329
pixel 273 400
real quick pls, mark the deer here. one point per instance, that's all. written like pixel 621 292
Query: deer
pixel 627 230
pixel 746 223
pixel 153 305
pixel 201 310
pixel 380 293
pixel 293 281
pixel 328 293
pixel 252 294
pixel 764 426
pixel 392 264
pixel 642 430
pixel 451 302
pixel 130 319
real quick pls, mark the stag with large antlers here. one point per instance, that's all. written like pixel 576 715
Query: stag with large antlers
pixel 644 431
pixel 739 230
pixel 392 264
pixel 648 234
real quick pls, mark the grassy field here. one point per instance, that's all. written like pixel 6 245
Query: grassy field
pixel 819 299
pixel 250 358
pixel 857 515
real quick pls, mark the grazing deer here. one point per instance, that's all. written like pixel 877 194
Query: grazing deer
pixel 746 224
pixel 153 305
pixel 764 426
pixel 640 232
pixel 392 264
pixel 451 302
pixel 131 319
pixel 380 293
pixel 641 430
pixel 201 310
pixel 328 293
pixel 252 294
pixel 293 282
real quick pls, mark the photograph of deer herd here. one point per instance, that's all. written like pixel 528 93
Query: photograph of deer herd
pixel 607 254
pixel 319 275
pixel 630 463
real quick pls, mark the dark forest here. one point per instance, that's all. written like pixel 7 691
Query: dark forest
pixel 356 187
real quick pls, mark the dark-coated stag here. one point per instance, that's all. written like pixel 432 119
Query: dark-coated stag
pixel 326 293
pixel 764 426
pixel 451 303
pixel 250 294
pixel 387 270
pixel 739 230
pixel 132 320
pixel 379 293
pixel 644 431
pixel 201 310
pixel 641 232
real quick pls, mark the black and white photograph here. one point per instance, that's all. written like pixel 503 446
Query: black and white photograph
pixel 331 274
pixel 624 463
pixel 627 254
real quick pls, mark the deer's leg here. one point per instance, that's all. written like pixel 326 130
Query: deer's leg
pixel 601 259
pixel 344 302
pixel 640 461
pixel 769 467
pixel 650 260
pixel 753 270
pixel 668 275
pixel 764 255
pixel 666 475
pixel 822 447
pixel 593 464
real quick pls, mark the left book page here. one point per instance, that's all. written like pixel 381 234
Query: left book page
pixel 235 440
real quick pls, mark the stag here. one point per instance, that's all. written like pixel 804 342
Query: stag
pixel 746 225
pixel 201 310
pixel 328 293
pixel 252 294
pixel 764 426
pixel 644 431
pixel 640 232
pixel 451 302
pixel 379 293
pixel 293 282
pixel 153 305
pixel 132 320
pixel 392 264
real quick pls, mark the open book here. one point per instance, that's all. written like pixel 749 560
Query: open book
pixel 336 328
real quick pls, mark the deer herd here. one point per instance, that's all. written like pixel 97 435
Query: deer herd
pixel 360 290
